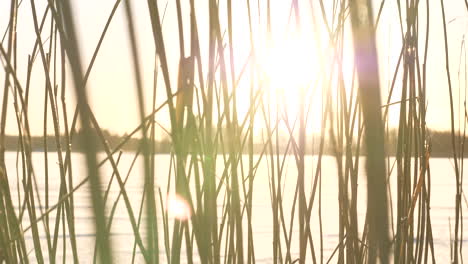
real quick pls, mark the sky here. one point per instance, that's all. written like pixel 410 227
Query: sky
pixel 111 85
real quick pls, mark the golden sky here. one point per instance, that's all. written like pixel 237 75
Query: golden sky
pixel 111 84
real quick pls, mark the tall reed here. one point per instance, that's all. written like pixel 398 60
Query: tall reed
pixel 233 134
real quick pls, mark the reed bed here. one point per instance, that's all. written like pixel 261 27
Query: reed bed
pixel 227 125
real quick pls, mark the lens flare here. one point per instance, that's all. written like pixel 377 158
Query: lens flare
pixel 178 207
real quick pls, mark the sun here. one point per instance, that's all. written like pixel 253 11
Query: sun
pixel 289 68
pixel 289 62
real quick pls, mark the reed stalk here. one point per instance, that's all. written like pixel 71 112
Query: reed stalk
pixel 233 133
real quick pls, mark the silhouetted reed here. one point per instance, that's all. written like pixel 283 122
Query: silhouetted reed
pixel 218 148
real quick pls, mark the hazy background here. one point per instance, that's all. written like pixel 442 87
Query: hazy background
pixel 111 84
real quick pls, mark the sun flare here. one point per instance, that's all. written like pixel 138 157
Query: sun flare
pixel 178 207
pixel 289 63
pixel 290 70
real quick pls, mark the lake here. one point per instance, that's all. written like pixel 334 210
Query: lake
pixel 442 204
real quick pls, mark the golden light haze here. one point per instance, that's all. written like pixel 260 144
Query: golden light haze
pixel 287 58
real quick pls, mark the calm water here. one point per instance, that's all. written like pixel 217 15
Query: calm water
pixel 442 204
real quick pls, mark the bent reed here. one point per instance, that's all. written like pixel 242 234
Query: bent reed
pixel 229 129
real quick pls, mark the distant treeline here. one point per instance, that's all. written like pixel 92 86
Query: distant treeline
pixel 440 144
pixel 49 143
